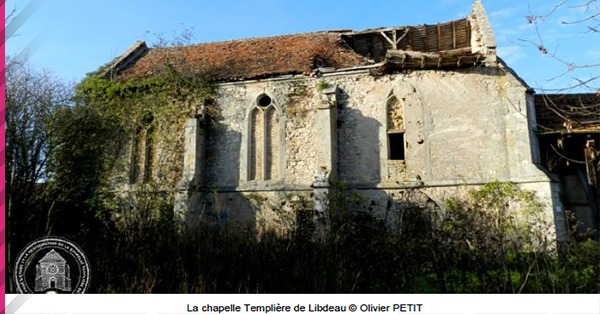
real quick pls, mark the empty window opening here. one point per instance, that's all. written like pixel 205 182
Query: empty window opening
pixel 264 101
pixel 396 149
pixel 395 128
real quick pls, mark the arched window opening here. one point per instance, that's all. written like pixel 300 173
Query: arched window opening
pixel 142 152
pixel 137 149
pixel 272 144
pixel 395 129
pixel 264 140
pixel 149 154
pixel 256 144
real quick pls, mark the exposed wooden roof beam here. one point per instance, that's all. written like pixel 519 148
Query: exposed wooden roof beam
pixel 439 45
pixel 444 53
pixel 392 42
pixel 453 35
pixel 395 41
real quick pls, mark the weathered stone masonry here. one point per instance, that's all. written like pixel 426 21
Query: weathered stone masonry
pixel 461 128
pixel 399 115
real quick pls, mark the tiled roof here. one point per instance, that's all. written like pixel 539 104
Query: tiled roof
pixel 464 42
pixel 254 57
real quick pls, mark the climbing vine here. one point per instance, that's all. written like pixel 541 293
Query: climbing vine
pixel 98 135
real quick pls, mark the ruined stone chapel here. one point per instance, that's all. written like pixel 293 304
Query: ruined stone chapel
pixel 385 112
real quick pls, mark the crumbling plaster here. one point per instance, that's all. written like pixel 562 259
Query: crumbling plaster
pixel 464 127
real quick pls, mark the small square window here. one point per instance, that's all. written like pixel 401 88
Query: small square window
pixel 396 146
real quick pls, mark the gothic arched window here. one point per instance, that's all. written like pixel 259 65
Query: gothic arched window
pixel 142 152
pixel 395 128
pixel 264 140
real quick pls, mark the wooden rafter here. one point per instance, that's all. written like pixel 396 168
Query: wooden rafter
pixel 453 35
pixel 468 26
pixel 394 41
pixel 425 38
pixel 439 44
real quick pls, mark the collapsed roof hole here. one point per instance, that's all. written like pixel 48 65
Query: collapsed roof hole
pixel 264 101
pixel 318 62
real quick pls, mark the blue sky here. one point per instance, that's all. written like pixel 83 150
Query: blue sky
pixel 82 35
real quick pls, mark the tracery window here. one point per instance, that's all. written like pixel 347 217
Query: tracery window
pixel 264 147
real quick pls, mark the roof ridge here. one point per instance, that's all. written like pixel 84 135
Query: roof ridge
pixel 249 38
pixel 346 32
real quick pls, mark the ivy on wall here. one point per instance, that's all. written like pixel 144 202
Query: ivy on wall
pixel 97 134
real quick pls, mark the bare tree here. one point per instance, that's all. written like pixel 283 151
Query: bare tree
pixel 587 15
pixel 182 36
pixel 10 16
pixel 31 97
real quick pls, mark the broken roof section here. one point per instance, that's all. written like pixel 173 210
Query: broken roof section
pixel 568 113
pixel 462 42
pixel 254 57
pixel 467 41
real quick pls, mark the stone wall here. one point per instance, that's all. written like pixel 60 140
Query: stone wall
pixel 463 127
pixel 257 212
pixel 227 148
pixel 460 125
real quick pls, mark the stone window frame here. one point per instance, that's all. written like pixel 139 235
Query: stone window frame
pixel 141 160
pixel 246 171
pixel 389 131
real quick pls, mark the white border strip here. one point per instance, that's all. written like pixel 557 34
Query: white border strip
pixel 429 303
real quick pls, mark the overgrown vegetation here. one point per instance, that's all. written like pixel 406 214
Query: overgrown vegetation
pixel 479 243
pixel 94 153
pixel 468 249
pixel 32 98
pixel 321 85
pixel 82 148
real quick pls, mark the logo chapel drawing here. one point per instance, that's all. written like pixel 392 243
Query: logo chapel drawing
pixel 60 267
pixel 52 272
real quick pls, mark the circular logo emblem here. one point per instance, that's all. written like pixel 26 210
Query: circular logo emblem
pixel 52 265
